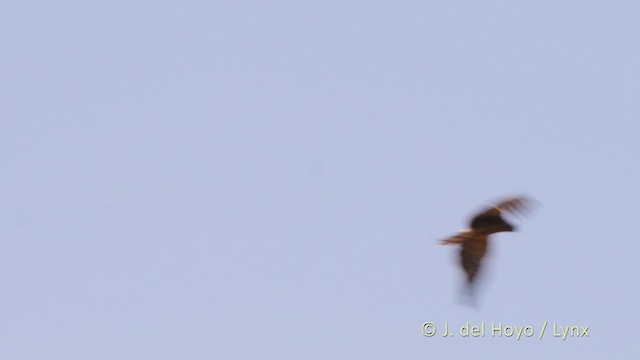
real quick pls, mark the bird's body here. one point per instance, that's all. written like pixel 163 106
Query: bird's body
pixel 474 242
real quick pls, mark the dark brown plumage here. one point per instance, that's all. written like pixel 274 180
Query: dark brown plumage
pixel 475 241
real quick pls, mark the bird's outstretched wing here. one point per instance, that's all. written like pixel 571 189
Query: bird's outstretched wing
pixel 471 254
pixel 490 220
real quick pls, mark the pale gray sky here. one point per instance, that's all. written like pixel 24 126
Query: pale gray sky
pixel 255 179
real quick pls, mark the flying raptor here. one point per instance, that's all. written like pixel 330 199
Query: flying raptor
pixel 474 241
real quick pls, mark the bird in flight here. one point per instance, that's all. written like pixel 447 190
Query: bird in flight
pixel 474 241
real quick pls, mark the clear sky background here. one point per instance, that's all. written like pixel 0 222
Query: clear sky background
pixel 267 179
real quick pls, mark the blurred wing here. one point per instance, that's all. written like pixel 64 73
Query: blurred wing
pixel 490 220
pixel 516 205
pixel 471 255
